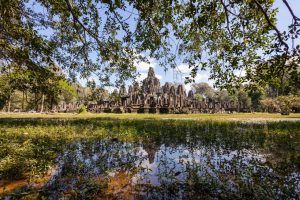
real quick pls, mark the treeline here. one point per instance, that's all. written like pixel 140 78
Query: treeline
pixel 42 89
pixel 263 99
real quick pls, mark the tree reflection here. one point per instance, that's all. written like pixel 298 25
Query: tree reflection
pixel 179 164
pixel 178 160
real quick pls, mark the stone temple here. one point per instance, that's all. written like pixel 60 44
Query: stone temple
pixel 151 97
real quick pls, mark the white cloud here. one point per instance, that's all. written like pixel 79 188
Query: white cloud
pixel 110 89
pixel 144 66
pixel 202 76
pixel 187 87
pixel 141 76
pixel 183 68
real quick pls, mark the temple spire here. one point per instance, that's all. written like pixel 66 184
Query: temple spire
pixel 151 72
pixel 151 84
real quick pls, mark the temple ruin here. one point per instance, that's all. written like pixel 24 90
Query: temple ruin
pixel 151 97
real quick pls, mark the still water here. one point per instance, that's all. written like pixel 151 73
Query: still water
pixel 179 162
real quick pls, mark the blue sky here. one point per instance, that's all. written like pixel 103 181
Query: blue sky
pixel 283 17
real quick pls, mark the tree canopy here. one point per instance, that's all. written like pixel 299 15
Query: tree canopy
pixel 107 38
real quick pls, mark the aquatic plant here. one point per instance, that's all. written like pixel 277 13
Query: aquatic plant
pixel 215 159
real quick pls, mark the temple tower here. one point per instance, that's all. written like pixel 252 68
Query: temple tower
pixel 151 84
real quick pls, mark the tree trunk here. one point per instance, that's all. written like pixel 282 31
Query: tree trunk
pixel 42 103
pixel 36 102
pixel 282 83
pixel 23 99
pixel 8 104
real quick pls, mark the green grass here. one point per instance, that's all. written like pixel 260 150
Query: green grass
pixel 218 117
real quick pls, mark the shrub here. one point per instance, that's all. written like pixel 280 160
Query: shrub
pixel 81 109
pixel 282 104
pixel 287 102
pixel 270 105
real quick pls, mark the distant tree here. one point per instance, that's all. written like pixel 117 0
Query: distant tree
pixel 81 109
pixel 286 103
pixel 114 96
pixel 270 105
pixel 67 93
pixel 82 93
pixel 204 89
pixel 198 97
pixel 97 94
pixel 243 99
pixel 223 96
pixel 256 96
pixel 6 92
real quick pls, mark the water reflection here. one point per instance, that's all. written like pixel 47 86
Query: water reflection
pixel 116 169
pixel 175 160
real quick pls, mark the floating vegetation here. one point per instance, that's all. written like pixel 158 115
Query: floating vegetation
pixel 148 159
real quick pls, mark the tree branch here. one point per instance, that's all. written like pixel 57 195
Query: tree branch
pixel 227 18
pixel 120 22
pixel 271 24
pixel 93 35
pixel 296 19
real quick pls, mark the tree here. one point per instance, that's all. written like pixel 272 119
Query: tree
pixel 256 96
pixel 280 75
pixel 204 89
pixel 286 103
pixel 223 96
pixel 5 92
pixel 114 96
pixel 243 99
pixel 270 105
pixel 66 91
pixel 223 33
pixel 12 79
pixel 198 97
pixel 97 94
pixel 108 37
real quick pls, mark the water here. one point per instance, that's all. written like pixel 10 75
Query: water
pixel 166 170
pixel 179 162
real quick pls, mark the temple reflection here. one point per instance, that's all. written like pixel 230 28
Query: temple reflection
pixel 137 170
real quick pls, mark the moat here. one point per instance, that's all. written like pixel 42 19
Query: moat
pixel 138 159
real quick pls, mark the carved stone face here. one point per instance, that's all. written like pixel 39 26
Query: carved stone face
pixel 172 90
pixel 151 72
pixel 151 84
pixel 166 88
pixel 136 87
pixel 180 90
pixel 191 94
pixel 130 89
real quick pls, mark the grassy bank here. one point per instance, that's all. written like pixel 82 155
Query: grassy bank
pixel 218 117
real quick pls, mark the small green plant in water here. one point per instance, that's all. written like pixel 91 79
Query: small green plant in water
pixel 192 157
